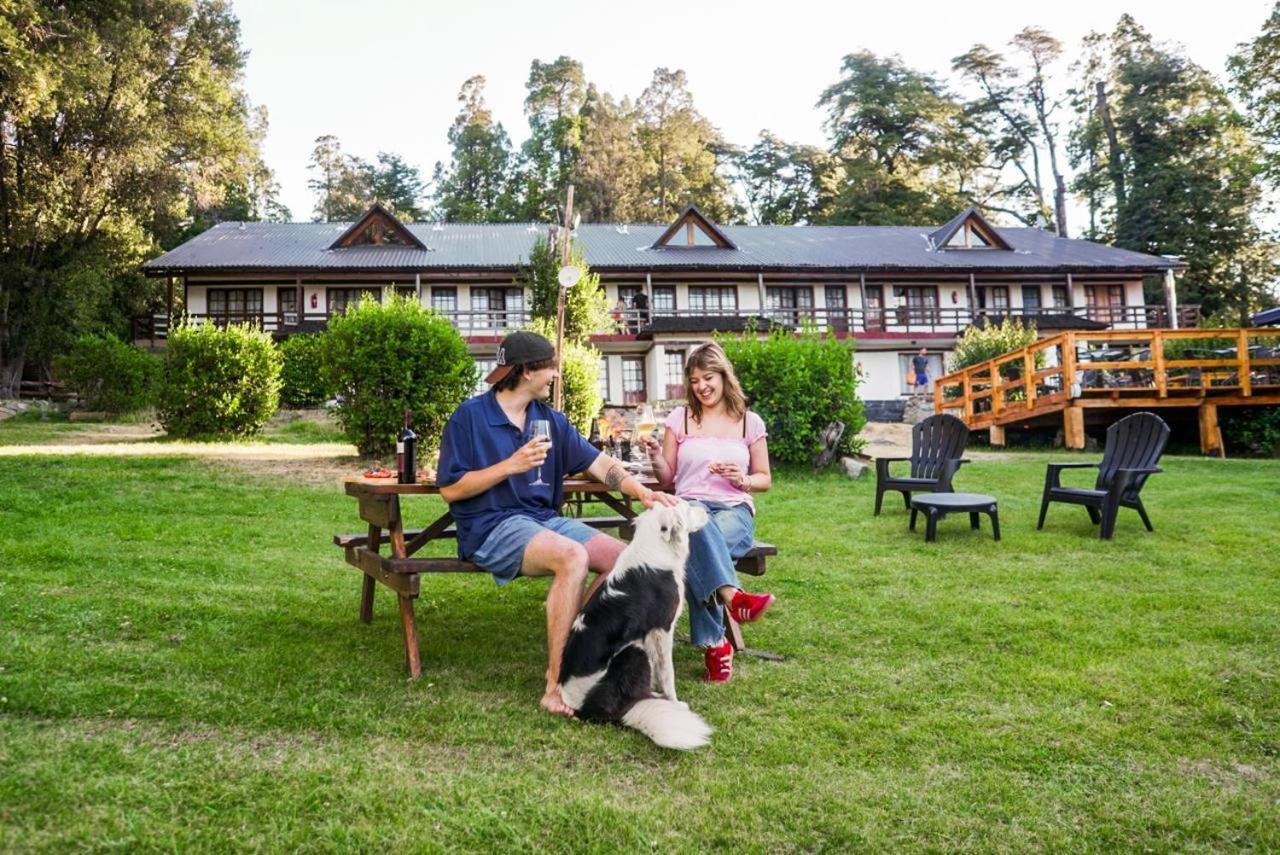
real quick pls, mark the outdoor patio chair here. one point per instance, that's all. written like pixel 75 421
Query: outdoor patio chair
pixel 1134 446
pixel 936 446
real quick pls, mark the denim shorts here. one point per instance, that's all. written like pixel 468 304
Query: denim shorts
pixel 502 552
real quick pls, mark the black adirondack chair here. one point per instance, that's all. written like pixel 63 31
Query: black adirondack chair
pixel 936 446
pixel 1134 446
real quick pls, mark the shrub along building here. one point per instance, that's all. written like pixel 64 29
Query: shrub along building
pixel 893 289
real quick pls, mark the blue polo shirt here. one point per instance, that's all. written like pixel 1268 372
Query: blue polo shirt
pixel 478 435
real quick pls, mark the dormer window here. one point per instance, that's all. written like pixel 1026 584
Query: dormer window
pixel 693 229
pixel 967 238
pixel 969 230
pixel 377 227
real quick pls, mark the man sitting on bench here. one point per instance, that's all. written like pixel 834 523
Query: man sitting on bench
pixel 505 483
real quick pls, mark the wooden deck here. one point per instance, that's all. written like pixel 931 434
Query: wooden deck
pixel 1060 377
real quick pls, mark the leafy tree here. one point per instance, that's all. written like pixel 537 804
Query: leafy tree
pixel 557 91
pixel 1171 168
pixel 1014 115
pixel 476 186
pixel 345 185
pixel 118 122
pixel 610 162
pixel 586 308
pixel 907 150
pixel 1255 71
pixel 786 184
pixel 682 153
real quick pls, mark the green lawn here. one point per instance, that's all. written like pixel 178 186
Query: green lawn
pixel 44 428
pixel 181 667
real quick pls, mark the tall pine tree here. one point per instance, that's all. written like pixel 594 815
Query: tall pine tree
pixel 476 186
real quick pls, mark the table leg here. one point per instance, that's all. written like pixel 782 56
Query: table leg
pixel 396 535
pixel 931 527
pixel 733 630
pixel 368 584
pixel 973 520
pixel 914 511
pixel 995 522
pixel 412 659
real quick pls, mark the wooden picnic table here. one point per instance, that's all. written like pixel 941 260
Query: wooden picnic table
pixel 379 507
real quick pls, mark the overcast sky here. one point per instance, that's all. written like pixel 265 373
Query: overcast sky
pixel 383 75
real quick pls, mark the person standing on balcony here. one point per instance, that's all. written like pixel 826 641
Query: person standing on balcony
pixel 714 453
pixel 509 522
pixel 620 313
pixel 640 304
pixel 920 367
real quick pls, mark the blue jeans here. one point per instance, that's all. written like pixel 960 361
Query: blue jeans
pixel 712 550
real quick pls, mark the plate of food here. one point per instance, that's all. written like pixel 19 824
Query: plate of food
pixel 378 472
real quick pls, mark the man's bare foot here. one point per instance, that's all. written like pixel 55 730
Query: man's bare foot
pixel 552 702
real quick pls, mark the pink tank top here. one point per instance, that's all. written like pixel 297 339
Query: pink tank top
pixel 694 454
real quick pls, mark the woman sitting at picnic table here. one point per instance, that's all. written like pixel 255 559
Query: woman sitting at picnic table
pixel 714 453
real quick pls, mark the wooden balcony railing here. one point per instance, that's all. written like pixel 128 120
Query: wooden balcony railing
pixel 898 319
pixel 1113 366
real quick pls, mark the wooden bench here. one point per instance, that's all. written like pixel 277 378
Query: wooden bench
pixel 401 572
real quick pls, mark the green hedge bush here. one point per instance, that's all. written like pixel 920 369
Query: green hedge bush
pixel 1252 431
pixel 798 384
pixel 383 359
pixel 219 383
pixel 110 375
pixel 980 343
pixel 301 376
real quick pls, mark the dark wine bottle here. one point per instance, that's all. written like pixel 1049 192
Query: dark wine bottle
pixel 595 440
pixel 407 451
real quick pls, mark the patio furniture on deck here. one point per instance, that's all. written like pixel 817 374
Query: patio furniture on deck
pixel 936 446
pixel 1134 446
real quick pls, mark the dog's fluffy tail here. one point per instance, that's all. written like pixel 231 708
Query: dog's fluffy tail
pixel 668 723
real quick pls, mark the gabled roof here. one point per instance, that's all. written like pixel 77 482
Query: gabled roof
pixel 974 225
pixel 695 224
pixel 303 247
pixel 377 227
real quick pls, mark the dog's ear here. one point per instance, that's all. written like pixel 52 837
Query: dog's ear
pixel 671 524
pixel 697 516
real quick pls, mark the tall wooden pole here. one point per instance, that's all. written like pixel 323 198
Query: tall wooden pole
pixel 560 292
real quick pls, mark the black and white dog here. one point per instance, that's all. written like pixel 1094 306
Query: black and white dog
pixel 619 650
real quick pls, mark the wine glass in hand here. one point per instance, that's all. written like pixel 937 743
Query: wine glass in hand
pixel 540 427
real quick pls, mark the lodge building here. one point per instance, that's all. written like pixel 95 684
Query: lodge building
pixel 893 289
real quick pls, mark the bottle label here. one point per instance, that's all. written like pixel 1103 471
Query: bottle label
pixel 399 448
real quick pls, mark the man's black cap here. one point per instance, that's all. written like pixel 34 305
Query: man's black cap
pixel 520 348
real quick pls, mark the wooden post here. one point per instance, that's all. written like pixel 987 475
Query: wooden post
pixel 1210 434
pixel 997 436
pixel 297 290
pixel 997 402
pixel 1068 363
pixel 1242 353
pixel 417 287
pixel 1029 377
pixel 937 397
pixel 560 290
pixel 1157 356
pixel 862 297
pixel 1071 293
pixel 967 385
pixel 169 303
pixel 973 297
pixel 1073 427
pixel 1171 298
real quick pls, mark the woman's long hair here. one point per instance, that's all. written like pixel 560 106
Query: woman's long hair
pixel 711 357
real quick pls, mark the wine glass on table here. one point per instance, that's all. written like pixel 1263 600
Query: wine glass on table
pixel 540 427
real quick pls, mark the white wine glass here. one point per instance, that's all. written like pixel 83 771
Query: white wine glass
pixel 540 427
pixel 646 422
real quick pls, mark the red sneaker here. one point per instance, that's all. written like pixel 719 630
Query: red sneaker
pixel 719 663
pixel 746 608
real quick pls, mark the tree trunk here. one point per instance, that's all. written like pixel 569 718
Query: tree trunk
pixel 11 373
pixel 1115 165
